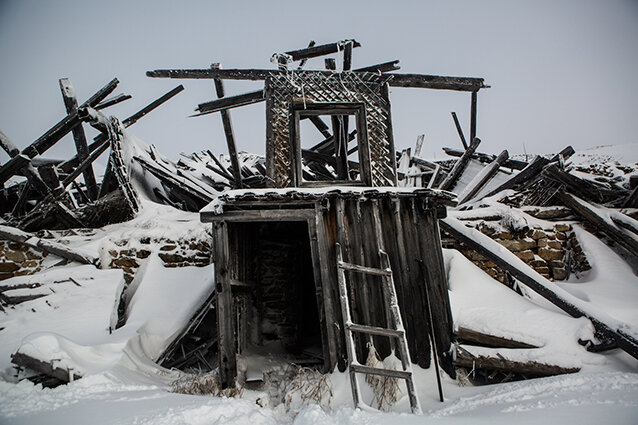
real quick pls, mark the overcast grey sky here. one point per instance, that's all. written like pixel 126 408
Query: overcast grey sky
pixel 562 72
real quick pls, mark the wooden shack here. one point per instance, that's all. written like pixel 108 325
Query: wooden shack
pixel 276 269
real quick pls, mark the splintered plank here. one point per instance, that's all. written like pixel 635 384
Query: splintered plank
pixel 488 340
pixel 48 369
pixel 606 326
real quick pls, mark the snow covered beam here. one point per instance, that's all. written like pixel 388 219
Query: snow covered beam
pixel 607 327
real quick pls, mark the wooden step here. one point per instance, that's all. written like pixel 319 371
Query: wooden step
pixel 375 330
pixel 379 371
pixel 363 269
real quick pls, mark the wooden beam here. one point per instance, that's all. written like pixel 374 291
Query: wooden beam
pixel 381 67
pixel 473 115
pixel 151 106
pixel 62 375
pixel 465 359
pixel 228 131
pixel 487 340
pixel 589 213
pixel 29 239
pixel 507 261
pixel 107 103
pixel 398 80
pixel 8 145
pixel 459 167
pixel 459 130
pixel 487 158
pixel 581 187
pixel 303 61
pixel 316 51
pixel 482 178
pixel 71 105
pixel 347 56
pixel 230 102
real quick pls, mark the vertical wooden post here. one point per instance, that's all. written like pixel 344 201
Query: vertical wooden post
pixel 225 313
pixel 347 56
pixel 71 105
pixel 228 130
pixel 459 130
pixel 473 116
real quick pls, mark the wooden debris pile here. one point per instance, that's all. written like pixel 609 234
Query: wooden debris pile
pixel 53 195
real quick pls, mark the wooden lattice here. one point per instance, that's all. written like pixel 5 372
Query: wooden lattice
pixel 311 86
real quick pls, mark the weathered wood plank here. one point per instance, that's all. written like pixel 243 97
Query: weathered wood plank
pixel 71 105
pixel 589 213
pixel 316 51
pixel 473 115
pixel 459 130
pixel 230 102
pixel 151 106
pixel 459 167
pixel 514 164
pixel 481 338
pixel 482 178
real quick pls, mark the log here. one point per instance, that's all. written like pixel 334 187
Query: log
pixel 28 239
pixel 588 212
pixel 459 167
pixel 71 105
pixel 398 80
pixel 487 158
pixel 8 145
pixel 466 359
pixel 303 61
pixel 459 130
pixel 228 131
pixel 230 102
pixel 482 178
pixel 606 327
pixel 486 340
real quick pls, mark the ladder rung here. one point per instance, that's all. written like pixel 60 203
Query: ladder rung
pixel 374 330
pixel 378 371
pixel 363 269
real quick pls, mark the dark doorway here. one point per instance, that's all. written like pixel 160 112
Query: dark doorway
pixel 276 301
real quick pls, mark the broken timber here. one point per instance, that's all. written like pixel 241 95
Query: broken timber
pixel 606 327
pixel 459 167
pixel 63 251
pixel 482 178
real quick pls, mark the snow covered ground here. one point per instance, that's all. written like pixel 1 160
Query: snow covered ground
pixel 121 384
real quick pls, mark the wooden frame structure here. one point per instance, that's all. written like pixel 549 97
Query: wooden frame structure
pixel 410 235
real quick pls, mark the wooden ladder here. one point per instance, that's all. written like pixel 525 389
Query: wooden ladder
pixel 397 331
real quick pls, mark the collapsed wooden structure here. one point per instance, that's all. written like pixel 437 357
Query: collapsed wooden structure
pixel 52 197
pixel 275 249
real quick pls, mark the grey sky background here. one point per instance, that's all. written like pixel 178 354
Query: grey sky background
pixel 562 72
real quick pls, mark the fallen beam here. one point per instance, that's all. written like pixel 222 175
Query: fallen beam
pixel 531 368
pixel 582 188
pixel 28 239
pixel 459 130
pixel 607 327
pixel 588 212
pixel 151 106
pixel 459 167
pixel 487 340
pixel 482 178
pixel 487 158
pixel 48 369
pixel 381 67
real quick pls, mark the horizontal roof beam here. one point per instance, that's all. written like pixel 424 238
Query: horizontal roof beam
pixel 316 51
pixel 397 80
